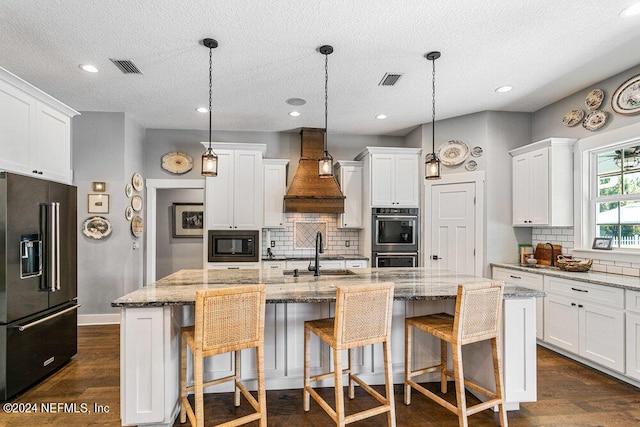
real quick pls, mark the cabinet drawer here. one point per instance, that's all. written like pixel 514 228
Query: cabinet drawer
pixel 599 294
pixel 632 300
pixel 356 263
pixel 519 278
pixel 273 265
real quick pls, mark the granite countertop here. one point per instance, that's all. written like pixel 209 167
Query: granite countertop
pixel 308 258
pixel 607 279
pixel 410 284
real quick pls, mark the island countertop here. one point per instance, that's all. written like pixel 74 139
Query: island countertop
pixel 419 283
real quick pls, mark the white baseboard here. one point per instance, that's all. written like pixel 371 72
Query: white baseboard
pixel 98 319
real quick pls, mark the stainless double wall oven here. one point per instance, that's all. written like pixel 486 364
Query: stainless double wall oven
pixel 394 234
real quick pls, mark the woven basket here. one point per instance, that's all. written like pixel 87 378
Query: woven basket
pixel 574 264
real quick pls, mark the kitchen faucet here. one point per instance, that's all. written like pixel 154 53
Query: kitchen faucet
pixel 319 250
pixel 552 254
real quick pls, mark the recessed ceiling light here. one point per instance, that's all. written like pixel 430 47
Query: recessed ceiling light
pixel 381 116
pixel 294 113
pixel 296 101
pixel 88 68
pixel 202 110
pixel 503 89
pixel 632 10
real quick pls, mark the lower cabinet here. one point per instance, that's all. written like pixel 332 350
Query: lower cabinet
pixel 632 304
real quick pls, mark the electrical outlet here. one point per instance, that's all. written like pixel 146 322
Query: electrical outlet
pixel 347 243
pixel 273 243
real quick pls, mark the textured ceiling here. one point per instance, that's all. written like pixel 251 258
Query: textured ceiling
pixel 545 49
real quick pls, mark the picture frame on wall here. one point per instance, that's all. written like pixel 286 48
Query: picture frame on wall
pixel 98 203
pixel 188 220
pixel 602 243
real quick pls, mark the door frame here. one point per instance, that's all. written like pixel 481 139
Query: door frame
pixel 477 177
pixel 152 185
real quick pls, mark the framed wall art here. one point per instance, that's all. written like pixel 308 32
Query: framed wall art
pixel 98 203
pixel 188 220
pixel 603 243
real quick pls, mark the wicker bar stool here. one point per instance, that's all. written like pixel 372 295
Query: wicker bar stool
pixel 363 317
pixel 477 318
pixel 226 319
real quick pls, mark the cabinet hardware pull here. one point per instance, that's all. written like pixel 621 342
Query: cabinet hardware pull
pixel 573 304
pixel 579 290
pixel 515 277
pixel 580 305
pixel 233 268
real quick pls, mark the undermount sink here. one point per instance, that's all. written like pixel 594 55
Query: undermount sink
pixel 327 272
pixel 547 267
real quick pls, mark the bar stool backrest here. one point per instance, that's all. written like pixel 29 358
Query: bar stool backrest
pixel 478 311
pixel 229 319
pixel 363 314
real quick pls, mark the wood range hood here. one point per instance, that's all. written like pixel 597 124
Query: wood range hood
pixel 307 192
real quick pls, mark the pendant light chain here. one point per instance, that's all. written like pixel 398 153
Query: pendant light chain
pixel 209 158
pixel 210 91
pixel 326 98
pixel 433 114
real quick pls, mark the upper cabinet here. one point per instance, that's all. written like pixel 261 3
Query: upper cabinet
pixel 35 131
pixel 394 176
pixel 350 176
pixel 275 186
pixel 543 183
pixel 233 199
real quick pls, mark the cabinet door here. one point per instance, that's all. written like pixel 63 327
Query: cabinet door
pixel 521 166
pixel 602 337
pixel 351 184
pixel 219 193
pixel 382 180
pixel 51 155
pixel 633 345
pixel 247 190
pixel 274 190
pixel 406 180
pixel 561 323
pixel 17 111
pixel 539 187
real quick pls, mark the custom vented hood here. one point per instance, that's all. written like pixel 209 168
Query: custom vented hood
pixel 307 192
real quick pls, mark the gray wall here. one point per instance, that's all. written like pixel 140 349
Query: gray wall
pixel 173 254
pixel 106 147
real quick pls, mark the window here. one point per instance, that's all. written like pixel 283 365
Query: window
pixel 616 199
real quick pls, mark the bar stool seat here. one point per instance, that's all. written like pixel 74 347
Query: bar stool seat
pixel 477 318
pixel 363 317
pixel 226 320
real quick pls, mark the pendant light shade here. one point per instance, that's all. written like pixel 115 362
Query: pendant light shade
pixel 325 164
pixel 432 163
pixel 209 158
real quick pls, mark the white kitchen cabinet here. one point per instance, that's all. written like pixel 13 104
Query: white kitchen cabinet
pixel 543 183
pixel 233 199
pixel 350 176
pixel 35 131
pixel 394 176
pixel 356 263
pixel 526 280
pixel 586 319
pixel 274 188
pixel 632 304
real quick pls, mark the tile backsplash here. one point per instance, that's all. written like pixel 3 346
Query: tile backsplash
pixel 564 236
pixel 297 238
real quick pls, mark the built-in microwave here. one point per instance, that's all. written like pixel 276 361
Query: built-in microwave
pixel 233 245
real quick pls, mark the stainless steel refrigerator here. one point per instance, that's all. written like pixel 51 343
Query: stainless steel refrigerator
pixel 38 280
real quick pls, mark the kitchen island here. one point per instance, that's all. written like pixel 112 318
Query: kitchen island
pixel 151 318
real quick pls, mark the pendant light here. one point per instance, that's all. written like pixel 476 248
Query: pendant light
pixel 209 158
pixel 432 163
pixel 325 164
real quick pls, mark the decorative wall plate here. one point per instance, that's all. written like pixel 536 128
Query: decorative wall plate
pixel 626 99
pixel 573 117
pixel 128 189
pixel 476 151
pixel 136 203
pixel 471 165
pixel 453 152
pixel 137 181
pixel 96 227
pixel 594 99
pixel 128 213
pixel 177 162
pixel 137 226
pixel 594 120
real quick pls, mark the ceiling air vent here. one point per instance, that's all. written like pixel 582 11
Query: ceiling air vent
pixel 126 66
pixel 390 79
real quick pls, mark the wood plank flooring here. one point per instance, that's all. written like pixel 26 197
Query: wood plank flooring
pixel 569 394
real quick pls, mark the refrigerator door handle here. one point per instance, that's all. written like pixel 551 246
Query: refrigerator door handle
pixel 45 319
pixel 56 224
pixel 50 229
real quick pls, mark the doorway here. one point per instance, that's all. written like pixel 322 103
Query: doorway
pixel 454 223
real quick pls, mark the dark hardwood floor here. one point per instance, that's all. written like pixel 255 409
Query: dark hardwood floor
pixel 569 394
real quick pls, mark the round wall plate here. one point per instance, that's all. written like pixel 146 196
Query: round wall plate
pixel 177 162
pixel 137 226
pixel 137 182
pixel 96 227
pixel 453 153
pixel 136 203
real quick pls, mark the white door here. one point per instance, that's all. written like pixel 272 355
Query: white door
pixel 453 227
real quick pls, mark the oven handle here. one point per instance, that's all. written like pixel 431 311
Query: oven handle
pixel 396 216
pixel 396 254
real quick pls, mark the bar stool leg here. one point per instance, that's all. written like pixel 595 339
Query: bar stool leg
pixel 183 380
pixel 388 382
pixel 443 362
pixel 236 377
pixel 307 357
pixel 262 394
pixel 407 362
pixel 497 371
pixel 198 391
pixel 456 349
pixel 339 393
pixel 350 377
